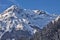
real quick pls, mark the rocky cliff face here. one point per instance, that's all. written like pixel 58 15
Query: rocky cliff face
pixel 52 31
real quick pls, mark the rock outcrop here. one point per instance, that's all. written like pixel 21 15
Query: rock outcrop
pixel 52 31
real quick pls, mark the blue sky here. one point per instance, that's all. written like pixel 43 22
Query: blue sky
pixel 51 6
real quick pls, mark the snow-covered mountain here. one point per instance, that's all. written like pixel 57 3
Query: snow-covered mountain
pixel 24 19
pixel 18 22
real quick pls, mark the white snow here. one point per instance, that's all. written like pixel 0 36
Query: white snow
pixel 19 27
pixel 35 11
pixel 35 31
pixel 57 18
pixel 53 21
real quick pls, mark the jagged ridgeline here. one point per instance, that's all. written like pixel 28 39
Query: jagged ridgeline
pixel 25 24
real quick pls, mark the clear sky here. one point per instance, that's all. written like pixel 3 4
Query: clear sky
pixel 51 6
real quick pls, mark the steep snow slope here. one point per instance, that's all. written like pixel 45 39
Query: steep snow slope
pixel 24 19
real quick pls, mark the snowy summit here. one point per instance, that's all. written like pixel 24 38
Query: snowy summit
pixel 24 19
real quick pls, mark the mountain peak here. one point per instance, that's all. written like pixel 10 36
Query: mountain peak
pixel 40 12
pixel 24 19
pixel 12 8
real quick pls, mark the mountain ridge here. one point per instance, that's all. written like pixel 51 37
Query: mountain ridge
pixel 24 19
